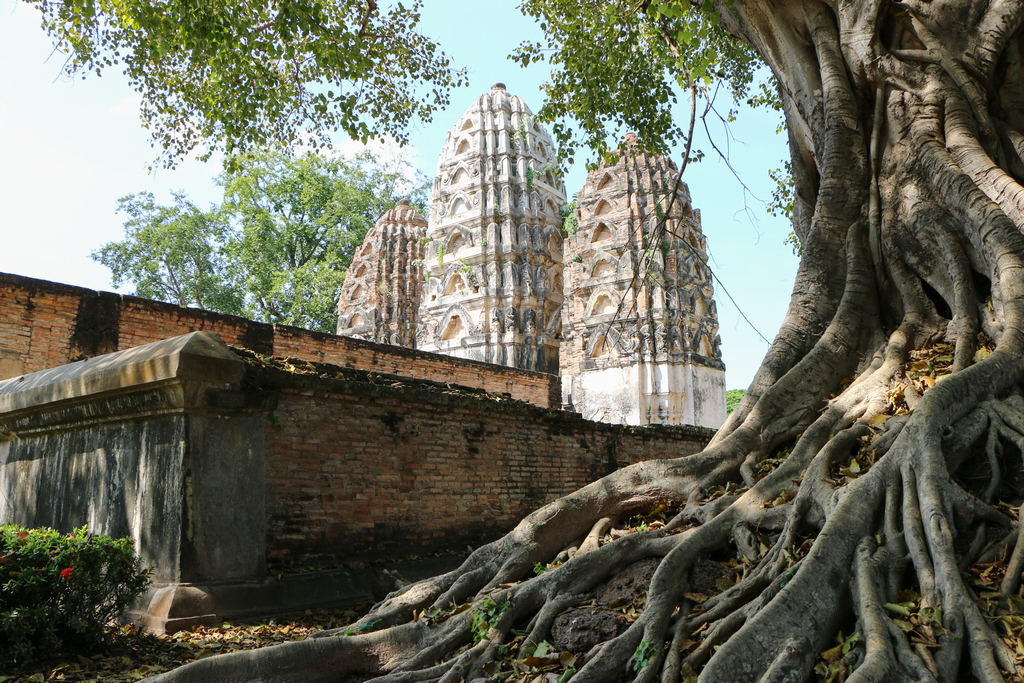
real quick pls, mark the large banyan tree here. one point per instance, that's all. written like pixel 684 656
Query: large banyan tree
pixel 853 518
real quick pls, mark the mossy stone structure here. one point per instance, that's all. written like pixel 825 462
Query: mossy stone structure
pixel 257 486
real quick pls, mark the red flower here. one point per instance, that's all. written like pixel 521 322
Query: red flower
pixel 22 534
pixel 67 572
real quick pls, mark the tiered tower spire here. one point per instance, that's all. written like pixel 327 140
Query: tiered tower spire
pixel 494 260
pixel 642 344
pixel 382 288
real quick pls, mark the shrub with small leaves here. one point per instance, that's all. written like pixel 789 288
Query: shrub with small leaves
pixel 486 617
pixel 645 653
pixel 60 590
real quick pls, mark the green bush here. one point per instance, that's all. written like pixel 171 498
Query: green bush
pixel 60 590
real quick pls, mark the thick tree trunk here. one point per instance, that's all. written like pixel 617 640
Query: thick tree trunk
pixel 907 133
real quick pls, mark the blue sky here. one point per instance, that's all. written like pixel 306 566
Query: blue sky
pixel 71 148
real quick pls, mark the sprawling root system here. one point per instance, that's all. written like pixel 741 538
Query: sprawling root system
pixel 854 519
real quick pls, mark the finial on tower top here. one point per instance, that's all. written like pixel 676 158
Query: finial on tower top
pixel 403 202
pixel 498 86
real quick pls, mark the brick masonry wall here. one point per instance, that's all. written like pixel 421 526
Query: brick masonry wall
pixel 45 324
pixel 357 471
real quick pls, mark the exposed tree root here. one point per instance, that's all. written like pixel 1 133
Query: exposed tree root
pixel 854 519
pixel 880 538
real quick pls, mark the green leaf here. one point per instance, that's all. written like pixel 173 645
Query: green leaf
pixel 934 614
pixel 849 642
pixel 898 609
pixel 249 75
pixel 646 652
pixel 624 70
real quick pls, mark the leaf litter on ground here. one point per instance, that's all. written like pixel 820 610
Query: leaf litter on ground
pixel 133 655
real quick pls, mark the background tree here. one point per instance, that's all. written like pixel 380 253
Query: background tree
pixel 276 250
pixel 733 398
pixel 172 253
pixel 857 486
pixel 297 223
pixel 233 76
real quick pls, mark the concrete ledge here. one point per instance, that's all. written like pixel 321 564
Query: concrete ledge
pixel 327 589
pixel 176 608
pixel 171 608
pixel 198 356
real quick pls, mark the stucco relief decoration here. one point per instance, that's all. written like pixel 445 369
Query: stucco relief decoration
pixel 496 247
pixel 606 367
pixel 389 284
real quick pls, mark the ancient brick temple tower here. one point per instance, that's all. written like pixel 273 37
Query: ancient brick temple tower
pixel 641 331
pixel 484 279
pixel 382 288
pixel 494 260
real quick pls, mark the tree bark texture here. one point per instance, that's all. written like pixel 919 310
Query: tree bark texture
pixel 853 474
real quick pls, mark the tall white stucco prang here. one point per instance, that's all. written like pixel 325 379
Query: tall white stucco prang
pixel 493 261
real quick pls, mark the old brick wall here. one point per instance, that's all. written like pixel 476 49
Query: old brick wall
pixel 357 471
pixel 46 324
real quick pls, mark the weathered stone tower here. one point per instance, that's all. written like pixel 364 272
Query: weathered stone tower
pixel 382 288
pixel 641 331
pixel 494 260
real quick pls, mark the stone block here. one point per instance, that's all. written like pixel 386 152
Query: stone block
pixel 176 608
pixel 161 443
